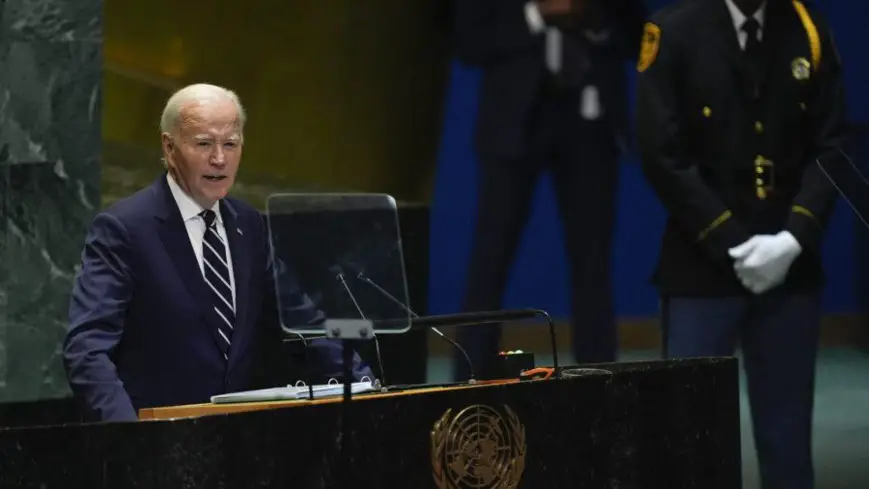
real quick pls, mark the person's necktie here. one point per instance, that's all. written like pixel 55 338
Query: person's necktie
pixel 216 271
pixel 553 50
pixel 752 52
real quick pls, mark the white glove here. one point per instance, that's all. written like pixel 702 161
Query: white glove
pixel 763 261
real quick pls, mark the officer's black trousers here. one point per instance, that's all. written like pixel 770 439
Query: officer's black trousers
pixel 582 158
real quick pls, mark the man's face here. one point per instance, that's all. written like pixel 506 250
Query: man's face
pixel 204 152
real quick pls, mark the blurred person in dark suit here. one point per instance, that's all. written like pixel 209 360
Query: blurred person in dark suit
pixel 740 104
pixel 553 98
pixel 175 301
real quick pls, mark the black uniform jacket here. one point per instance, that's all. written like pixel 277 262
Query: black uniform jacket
pixel 730 158
pixel 494 35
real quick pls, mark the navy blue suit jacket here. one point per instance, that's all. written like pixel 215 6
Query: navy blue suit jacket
pixel 142 330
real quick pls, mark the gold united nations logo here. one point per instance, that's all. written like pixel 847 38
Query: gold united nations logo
pixel 478 448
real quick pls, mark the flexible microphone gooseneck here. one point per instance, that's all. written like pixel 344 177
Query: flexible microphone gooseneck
pixel 361 276
pixel 340 277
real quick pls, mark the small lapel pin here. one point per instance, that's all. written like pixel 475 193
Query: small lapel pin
pixel 239 231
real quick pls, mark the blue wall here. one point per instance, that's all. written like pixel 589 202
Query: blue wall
pixel 539 277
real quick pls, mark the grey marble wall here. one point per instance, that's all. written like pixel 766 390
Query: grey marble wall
pixel 50 106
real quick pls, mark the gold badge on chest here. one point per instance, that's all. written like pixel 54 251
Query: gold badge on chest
pixel 801 69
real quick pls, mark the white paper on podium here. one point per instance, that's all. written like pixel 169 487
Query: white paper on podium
pixel 291 392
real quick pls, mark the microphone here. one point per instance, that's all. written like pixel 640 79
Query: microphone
pixel 339 275
pixel 383 292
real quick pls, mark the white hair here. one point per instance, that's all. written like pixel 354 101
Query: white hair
pixel 192 93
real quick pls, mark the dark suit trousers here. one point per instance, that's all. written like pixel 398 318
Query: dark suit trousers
pixel 779 337
pixel 582 159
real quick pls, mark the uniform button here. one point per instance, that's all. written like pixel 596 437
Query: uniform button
pixel 758 127
pixel 758 169
pixel 759 182
pixel 707 111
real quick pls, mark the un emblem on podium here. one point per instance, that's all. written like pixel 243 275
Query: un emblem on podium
pixel 478 448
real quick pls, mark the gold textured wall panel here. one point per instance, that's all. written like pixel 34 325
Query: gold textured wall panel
pixel 341 95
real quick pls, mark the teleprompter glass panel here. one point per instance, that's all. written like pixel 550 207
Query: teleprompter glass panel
pixel 338 263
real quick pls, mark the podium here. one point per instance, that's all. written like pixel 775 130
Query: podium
pixel 672 424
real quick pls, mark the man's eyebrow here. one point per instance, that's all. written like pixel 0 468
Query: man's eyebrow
pixel 209 137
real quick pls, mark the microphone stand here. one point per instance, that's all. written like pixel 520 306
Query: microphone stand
pixel 347 416
pixel 308 374
pixel 360 330
pixel 383 292
pixel 469 319
pixel 346 404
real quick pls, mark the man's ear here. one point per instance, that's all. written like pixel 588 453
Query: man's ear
pixel 167 145
pixel 167 142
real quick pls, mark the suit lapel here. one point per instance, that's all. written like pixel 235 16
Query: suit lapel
pixel 240 252
pixel 173 233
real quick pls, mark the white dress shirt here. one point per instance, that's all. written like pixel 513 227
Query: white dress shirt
pixel 195 225
pixel 739 18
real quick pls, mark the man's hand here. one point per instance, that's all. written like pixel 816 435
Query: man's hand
pixel 763 261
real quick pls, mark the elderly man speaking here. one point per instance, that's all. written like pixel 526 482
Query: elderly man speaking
pixel 175 301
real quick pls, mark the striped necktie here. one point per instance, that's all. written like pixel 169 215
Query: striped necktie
pixel 216 271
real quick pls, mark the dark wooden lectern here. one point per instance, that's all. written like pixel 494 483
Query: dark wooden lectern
pixel 672 424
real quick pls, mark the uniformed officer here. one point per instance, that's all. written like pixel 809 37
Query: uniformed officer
pixel 737 101
pixel 553 98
